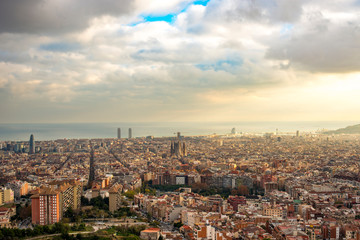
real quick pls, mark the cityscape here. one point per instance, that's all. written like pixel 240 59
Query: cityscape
pixel 233 186
pixel 179 120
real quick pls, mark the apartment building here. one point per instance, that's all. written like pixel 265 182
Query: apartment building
pixel 115 197
pixel 45 207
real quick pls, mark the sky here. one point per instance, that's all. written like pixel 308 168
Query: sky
pixel 179 60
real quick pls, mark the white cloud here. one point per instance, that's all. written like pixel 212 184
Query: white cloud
pixel 160 7
pixel 238 53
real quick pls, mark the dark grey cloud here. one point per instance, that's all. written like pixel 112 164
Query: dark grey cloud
pixel 56 16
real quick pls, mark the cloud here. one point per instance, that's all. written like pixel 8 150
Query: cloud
pixel 160 7
pixel 151 60
pixel 6 56
pixel 173 58
pixel 322 42
pixel 265 11
pixel 56 16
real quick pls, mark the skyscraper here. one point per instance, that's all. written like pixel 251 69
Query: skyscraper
pixel 118 133
pixel 130 133
pixel 32 144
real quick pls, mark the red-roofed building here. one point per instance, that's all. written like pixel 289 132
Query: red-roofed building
pixel 150 234
pixel 5 214
pixel 235 201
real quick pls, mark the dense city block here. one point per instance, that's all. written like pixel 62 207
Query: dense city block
pixel 236 186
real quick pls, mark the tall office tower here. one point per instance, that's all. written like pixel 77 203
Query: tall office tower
pixel 45 207
pixel 130 133
pixel 32 144
pixel 178 134
pixel 233 131
pixel 119 133
pixel 297 133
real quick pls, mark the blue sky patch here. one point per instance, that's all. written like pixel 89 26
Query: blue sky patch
pixel 227 65
pixel 60 47
pixel 201 2
pixel 167 18
pixel 170 17
pixel 286 28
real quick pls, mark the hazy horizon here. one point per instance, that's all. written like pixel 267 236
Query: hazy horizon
pixel 52 131
pixel 185 122
pixel 179 61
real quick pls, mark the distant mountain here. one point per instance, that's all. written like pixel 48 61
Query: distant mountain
pixel 355 129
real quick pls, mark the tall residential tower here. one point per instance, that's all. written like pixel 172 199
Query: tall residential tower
pixel 118 133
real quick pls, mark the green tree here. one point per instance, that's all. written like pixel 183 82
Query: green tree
pixel 178 224
pixel 84 201
pixel 99 202
pixel 61 228
pixel 82 227
pixel 46 229
pixel 65 235
pixel 70 214
pixel 130 194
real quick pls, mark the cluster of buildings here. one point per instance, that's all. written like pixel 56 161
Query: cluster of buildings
pixel 49 203
pixel 292 187
pixel 277 215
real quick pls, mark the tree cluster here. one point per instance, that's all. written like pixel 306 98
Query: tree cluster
pixel 99 202
pixel 16 233
pixel 123 212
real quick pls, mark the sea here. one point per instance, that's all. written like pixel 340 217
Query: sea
pixel 53 131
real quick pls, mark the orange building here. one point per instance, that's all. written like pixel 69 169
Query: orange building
pixel 20 188
pixel 200 231
pixel 24 189
pixel 45 207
